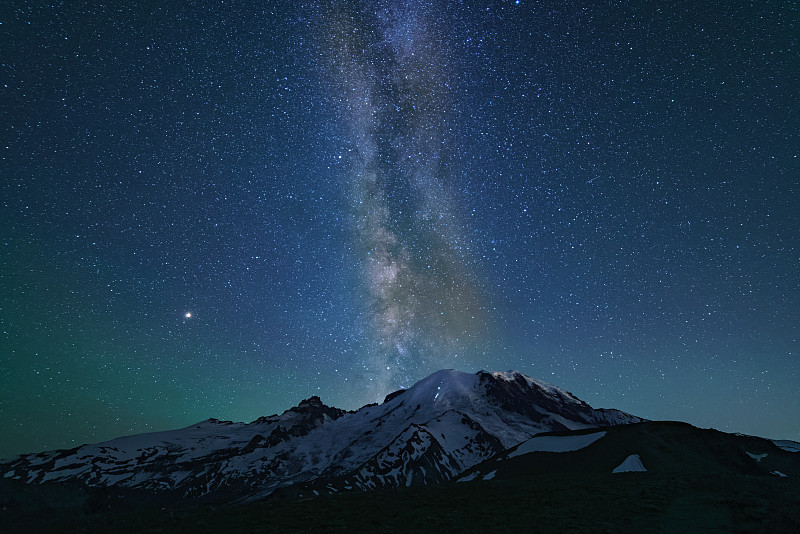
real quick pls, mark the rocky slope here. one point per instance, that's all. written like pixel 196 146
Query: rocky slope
pixel 430 433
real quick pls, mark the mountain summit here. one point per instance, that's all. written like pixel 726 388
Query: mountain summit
pixel 429 433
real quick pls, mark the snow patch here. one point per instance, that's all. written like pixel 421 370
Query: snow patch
pixel 757 457
pixel 778 473
pixel 556 443
pixel 179 476
pixel 490 476
pixel 787 445
pixel 470 477
pixel 568 423
pixel 631 464
pixel 64 473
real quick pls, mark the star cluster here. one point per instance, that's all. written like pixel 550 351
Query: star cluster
pixel 217 210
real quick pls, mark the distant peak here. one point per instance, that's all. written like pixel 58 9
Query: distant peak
pixel 311 401
pixel 214 420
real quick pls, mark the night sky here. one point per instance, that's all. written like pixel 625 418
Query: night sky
pixel 217 209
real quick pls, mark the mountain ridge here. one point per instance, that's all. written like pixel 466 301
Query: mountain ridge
pixel 428 433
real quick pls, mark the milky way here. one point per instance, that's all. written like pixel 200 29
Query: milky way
pixel 348 195
pixel 422 300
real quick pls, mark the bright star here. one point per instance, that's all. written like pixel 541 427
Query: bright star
pixel 188 315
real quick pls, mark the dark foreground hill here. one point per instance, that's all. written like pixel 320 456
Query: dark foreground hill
pixel 666 448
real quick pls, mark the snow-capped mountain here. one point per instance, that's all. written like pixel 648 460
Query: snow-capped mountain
pixel 429 433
